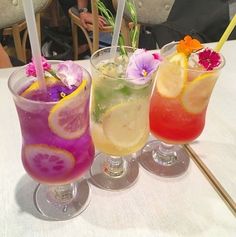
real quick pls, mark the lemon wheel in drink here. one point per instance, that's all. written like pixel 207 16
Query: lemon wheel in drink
pixel 178 106
pixel 119 117
pixel 123 130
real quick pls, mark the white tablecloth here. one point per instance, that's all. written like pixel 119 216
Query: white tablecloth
pixel 156 207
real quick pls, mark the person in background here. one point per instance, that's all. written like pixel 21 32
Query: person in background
pixel 84 7
pixel 4 58
pixel 173 19
pixel 5 61
pixel 84 10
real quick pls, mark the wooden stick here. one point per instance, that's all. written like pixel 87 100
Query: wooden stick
pixel 212 179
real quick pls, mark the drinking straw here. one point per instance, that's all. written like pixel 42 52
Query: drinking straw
pixel 226 34
pixel 34 42
pixel 117 27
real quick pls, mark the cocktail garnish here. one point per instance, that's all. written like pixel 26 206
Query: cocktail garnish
pixel 141 66
pixel 57 92
pixel 188 45
pixel 30 68
pixel 205 57
pixel 68 72
pixel 209 59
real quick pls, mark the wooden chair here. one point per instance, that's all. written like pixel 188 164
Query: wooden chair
pixel 93 44
pixel 20 41
pixel 18 28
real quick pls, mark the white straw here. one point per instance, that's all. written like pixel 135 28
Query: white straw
pixel 117 27
pixel 34 42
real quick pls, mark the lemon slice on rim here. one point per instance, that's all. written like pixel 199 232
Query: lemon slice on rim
pixel 126 124
pixel 35 85
pixel 68 118
pixel 197 94
pixel 172 76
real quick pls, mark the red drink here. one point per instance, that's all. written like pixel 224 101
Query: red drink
pixel 184 83
pixel 170 122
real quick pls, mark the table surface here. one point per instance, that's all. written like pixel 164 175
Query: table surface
pixel 216 146
pixel 154 206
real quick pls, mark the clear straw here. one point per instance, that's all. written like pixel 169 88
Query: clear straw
pixel 34 42
pixel 226 34
pixel 117 27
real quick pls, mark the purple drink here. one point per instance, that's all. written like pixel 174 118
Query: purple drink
pixel 57 148
pixel 37 135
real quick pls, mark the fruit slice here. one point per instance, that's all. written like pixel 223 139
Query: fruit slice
pixel 172 76
pixel 47 163
pixel 126 124
pixel 35 85
pixel 197 94
pixel 68 118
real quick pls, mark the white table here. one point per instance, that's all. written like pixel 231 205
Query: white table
pixel 184 206
pixel 216 147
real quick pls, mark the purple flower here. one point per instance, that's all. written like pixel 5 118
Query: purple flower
pixel 209 59
pixel 69 73
pixel 141 66
pixel 30 68
pixel 58 91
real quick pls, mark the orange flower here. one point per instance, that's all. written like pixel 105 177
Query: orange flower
pixel 188 45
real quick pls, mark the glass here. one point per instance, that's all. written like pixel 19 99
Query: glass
pixel 177 112
pixel 57 147
pixel 119 122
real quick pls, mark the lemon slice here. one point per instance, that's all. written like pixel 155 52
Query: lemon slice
pixel 68 118
pixel 172 76
pixel 197 94
pixel 35 85
pixel 126 124
pixel 48 163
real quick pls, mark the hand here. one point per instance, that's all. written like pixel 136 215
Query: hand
pixel 87 18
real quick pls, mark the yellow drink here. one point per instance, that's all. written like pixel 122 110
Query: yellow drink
pixel 120 123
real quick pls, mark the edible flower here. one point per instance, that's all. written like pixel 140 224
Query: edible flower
pixel 188 45
pixel 142 64
pixel 209 59
pixel 58 91
pixel 68 72
pixel 30 68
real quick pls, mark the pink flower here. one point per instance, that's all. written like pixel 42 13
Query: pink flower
pixel 209 59
pixel 69 73
pixel 30 68
pixel 141 66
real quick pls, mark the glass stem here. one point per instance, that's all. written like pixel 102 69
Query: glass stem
pixel 114 166
pixel 165 154
pixel 63 194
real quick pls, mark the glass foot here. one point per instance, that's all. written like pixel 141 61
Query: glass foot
pixel 170 165
pixel 114 173
pixel 62 202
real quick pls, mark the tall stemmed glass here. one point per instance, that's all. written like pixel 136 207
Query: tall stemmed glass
pixel 57 147
pixel 178 109
pixel 119 119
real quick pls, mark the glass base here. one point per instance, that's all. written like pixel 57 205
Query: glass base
pixel 62 205
pixel 172 165
pixel 117 178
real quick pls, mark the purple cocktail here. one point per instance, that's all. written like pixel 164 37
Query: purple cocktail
pixel 57 147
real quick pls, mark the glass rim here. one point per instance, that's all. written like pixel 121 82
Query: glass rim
pixel 127 79
pixel 174 43
pixel 13 77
